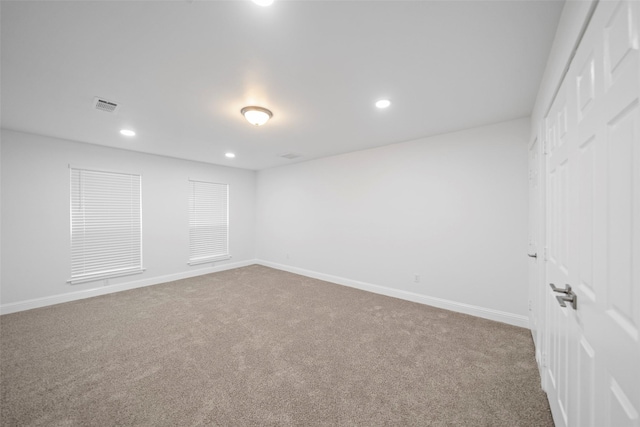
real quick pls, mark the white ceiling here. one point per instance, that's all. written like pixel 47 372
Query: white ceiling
pixel 182 70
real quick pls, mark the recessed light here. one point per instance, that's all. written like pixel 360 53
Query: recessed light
pixel 263 2
pixel 383 103
pixel 229 155
pixel 127 132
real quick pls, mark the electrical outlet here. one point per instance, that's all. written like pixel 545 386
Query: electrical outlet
pixel 416 278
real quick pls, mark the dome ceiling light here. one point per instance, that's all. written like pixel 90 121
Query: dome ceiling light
pixel 263 3
pixel 257 116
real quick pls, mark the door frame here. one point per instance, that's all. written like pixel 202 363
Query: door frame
pixel 536 302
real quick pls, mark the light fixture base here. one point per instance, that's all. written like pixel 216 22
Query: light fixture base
pixel 257 116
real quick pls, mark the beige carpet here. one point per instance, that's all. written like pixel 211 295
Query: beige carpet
pixel 257 346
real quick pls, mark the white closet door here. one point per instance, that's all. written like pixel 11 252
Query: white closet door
pixel 593 239
pixel 613 318
pixel 561 324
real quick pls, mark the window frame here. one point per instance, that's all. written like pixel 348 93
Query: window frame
pixel 198 253
pixel 92 200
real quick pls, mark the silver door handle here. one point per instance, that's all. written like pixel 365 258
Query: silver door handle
pixel 566 290
pixel 571 297
pixel 532 255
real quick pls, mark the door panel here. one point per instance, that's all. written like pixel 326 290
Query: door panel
pixel 585 416
pixel 621 139
pixel 585 222
pixel 586 87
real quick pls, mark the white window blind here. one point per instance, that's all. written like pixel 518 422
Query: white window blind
pixel 208 222
pixel 106 225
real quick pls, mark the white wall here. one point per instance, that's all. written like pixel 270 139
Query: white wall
pixel 35 217
pixel 450 208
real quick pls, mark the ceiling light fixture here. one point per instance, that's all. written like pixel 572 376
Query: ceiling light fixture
pixel 127 132
pixel 383 103
pixel 257 116
pixel 263 3
pixel 229 155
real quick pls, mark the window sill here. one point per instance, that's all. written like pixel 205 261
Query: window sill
pixel 208 260
pixel 96 277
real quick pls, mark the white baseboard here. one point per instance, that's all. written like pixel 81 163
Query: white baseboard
pixel 104 290
pixel 485 313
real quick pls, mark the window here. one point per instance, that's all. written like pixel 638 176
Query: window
pixel 208 222
pixel 106 226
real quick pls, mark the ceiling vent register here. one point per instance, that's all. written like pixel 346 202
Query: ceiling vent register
pixel 291 156
pixel 104 105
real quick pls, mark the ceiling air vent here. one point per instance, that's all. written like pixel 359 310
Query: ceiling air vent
pixel 104 105
pixel 290 156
